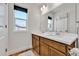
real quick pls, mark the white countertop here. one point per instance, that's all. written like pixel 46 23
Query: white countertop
pixel 66 38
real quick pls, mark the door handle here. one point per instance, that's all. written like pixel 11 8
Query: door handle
pixel 5 26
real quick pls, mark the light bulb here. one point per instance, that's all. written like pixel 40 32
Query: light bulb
pixel 43 6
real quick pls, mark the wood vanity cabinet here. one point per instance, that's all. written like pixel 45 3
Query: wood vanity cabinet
pixel 46 47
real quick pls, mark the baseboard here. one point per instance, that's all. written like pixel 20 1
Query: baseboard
pixel 13 51
pixel 19 52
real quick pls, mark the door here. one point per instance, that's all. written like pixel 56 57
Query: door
pixel 77 23
pixel 3 28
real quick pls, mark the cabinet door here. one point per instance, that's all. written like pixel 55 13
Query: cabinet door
pixel 35 43
pixel 54 52
pixel 44 51
pixel 37 46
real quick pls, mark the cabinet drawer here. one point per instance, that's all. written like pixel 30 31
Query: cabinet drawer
pixel 57 45
pixel 54 52
pixel 35 36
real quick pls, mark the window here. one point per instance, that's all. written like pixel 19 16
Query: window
pixel 50 23
pixel 21 17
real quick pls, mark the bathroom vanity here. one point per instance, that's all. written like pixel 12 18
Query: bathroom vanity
pixel 53 45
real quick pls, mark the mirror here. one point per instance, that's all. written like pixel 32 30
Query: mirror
pixel 63 19
pixel 57 23
pixel 61 23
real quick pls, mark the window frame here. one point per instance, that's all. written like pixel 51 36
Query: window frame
pixel 24 10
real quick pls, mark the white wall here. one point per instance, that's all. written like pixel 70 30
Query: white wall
pixel 44 23
pixel 52 6
pixel 22 40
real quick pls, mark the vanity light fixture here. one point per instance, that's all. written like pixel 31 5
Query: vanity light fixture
pixel 43 9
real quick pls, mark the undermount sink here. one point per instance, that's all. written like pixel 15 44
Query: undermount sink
pixel 51 33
